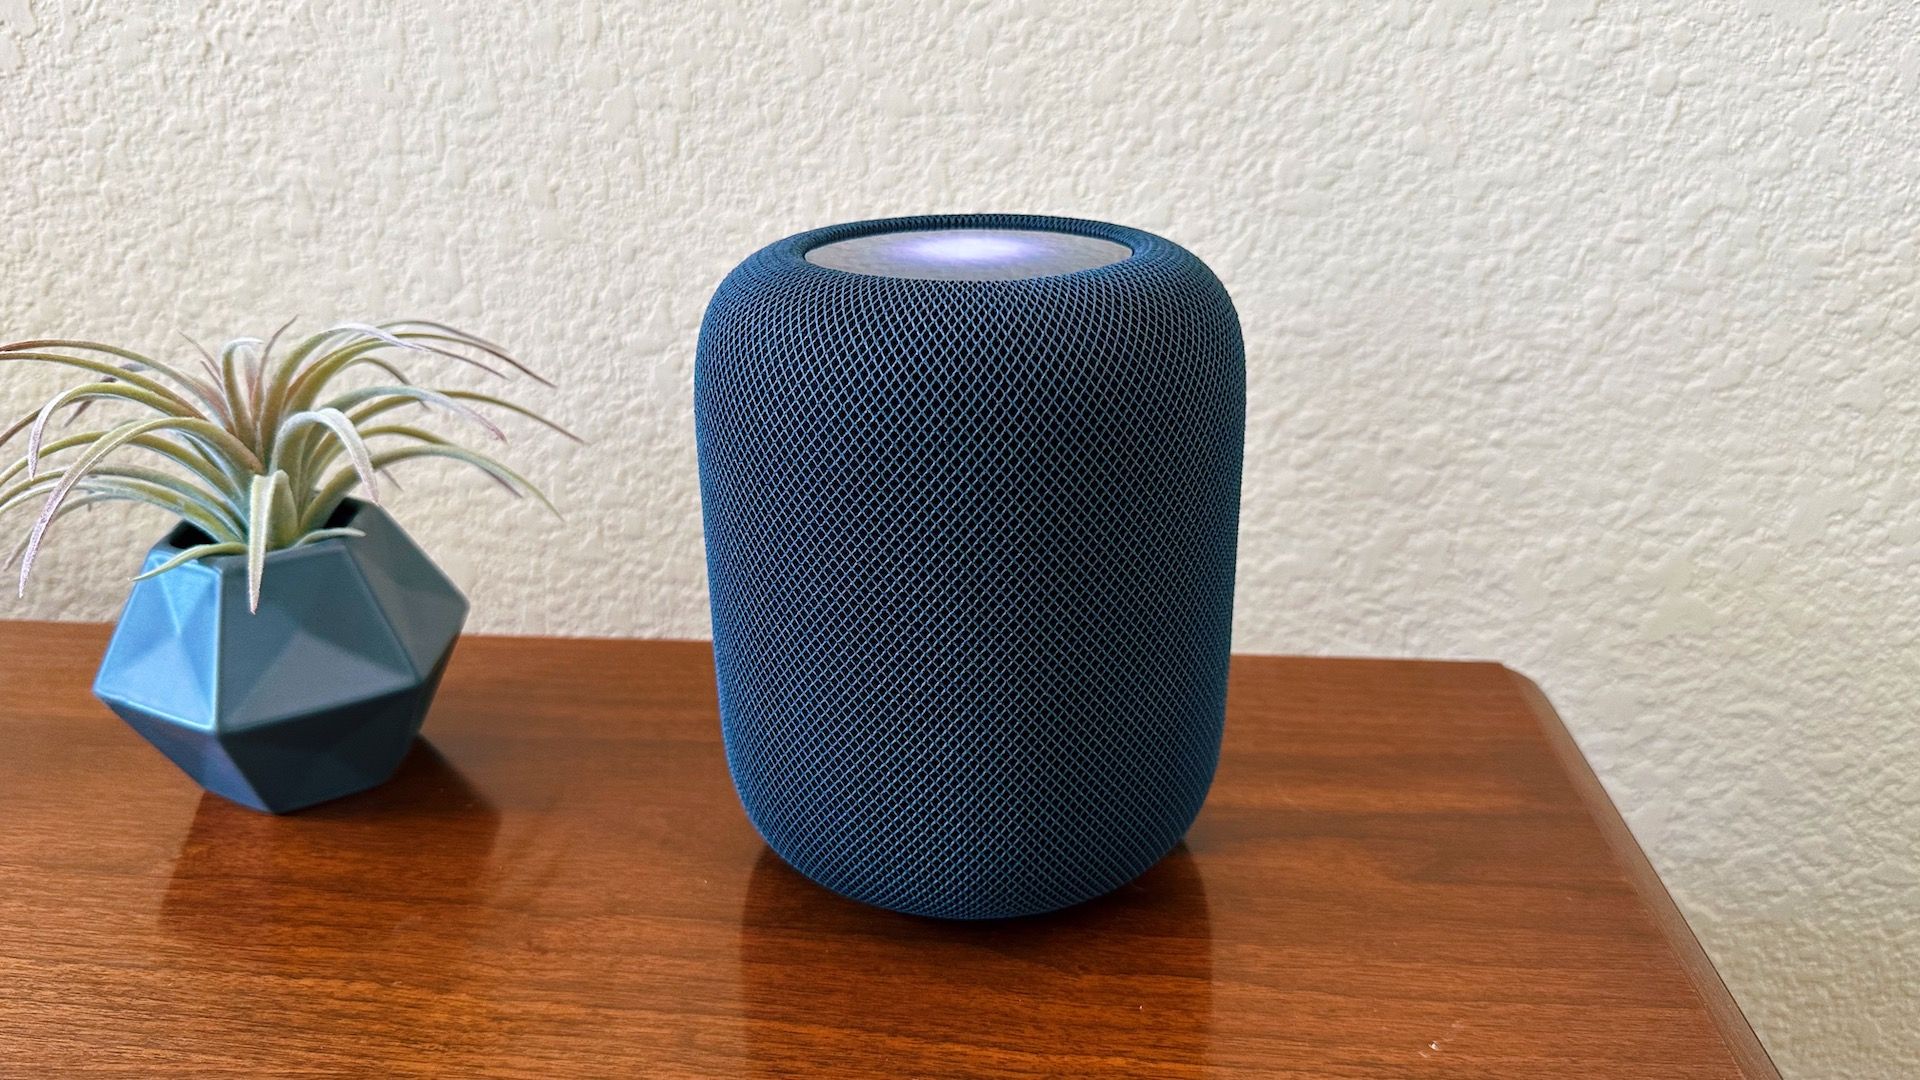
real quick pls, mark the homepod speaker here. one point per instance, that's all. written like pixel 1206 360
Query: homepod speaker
pixel 970 486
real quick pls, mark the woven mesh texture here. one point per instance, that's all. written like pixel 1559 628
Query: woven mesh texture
pixel 970 546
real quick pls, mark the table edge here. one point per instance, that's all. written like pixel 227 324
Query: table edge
pixel 1749 1054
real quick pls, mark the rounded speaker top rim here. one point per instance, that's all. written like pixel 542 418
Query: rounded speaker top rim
pixel 1145 249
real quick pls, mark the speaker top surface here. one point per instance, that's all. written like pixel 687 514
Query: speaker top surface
pixel 968 254
pixel 958 267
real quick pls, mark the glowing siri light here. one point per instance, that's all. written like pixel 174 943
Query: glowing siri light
pixel 968 254
pixel 967 247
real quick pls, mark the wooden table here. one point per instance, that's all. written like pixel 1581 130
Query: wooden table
pixel 1405 870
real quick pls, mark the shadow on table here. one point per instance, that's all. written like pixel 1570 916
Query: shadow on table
pixel 294 922
pixel 1121 985
pixel 406 860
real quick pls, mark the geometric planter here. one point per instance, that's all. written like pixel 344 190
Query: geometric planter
pixel 318 694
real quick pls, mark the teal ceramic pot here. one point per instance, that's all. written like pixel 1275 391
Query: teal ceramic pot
pixel 319 694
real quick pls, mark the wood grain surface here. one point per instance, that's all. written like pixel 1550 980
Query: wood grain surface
pixel 1404 870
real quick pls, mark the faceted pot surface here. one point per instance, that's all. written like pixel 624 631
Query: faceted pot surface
pixel 317 695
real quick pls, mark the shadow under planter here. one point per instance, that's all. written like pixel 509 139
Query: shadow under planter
pixel 303 911
pixel 316 695
pixel 240 876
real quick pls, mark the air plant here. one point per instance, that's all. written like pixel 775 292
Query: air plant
pixel 251 441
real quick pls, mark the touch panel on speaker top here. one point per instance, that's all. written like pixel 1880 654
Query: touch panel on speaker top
pixel 968 254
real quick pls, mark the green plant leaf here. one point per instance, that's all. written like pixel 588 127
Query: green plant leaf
pixel 219 486
pixel 286 515
pixel 311 443
pixel 474 340
pixel 220 483
pixel 285 375
pixel 225 449
pixel 319 457
pixel 213 516
pixel 198 551
pixel 485 399
pixel 390 370
pixel 245 424
pixel 101 447
pixel 86 391
pixel 267 502
pixel 478 460
pixel 308 381
pixel 193 456
pixel 412 341
pixel 182 406
pixel 169 492
pixel 327 499
pixel 318 535
pixel 247 354
pixel 18 426
pixel 200 388
pixel 267 400
pixel 366 411
pixel 307 387
pixel 430 438
pixel 104 489
pixel 305 348
pixel 379 394
pixel 405 431
pixel 207 363
pixel 361 352
pixel 250 447
pixel 13 556
pixel 343 431
pixel 23 492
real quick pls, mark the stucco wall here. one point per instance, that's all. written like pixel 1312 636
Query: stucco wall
pixel 1581 335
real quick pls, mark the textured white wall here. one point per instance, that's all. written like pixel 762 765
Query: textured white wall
pixel 1581 335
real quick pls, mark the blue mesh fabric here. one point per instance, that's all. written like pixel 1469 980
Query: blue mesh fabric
pixel 970 546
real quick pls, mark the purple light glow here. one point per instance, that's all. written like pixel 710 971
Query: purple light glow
pixel 968 254
pixel 967 248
